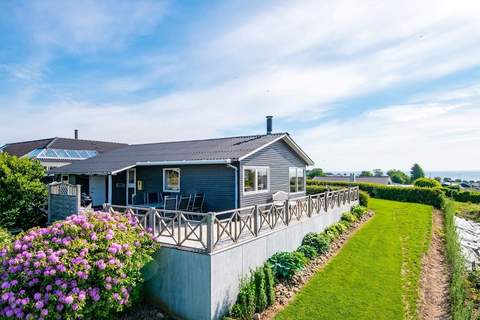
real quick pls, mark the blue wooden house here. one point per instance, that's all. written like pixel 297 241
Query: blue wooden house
pixel 230 172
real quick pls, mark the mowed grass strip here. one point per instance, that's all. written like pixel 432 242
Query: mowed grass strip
pixel 376 274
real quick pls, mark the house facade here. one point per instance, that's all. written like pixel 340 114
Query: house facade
pixel 231 172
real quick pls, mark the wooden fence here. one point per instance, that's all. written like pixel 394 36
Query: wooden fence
pixel 213 231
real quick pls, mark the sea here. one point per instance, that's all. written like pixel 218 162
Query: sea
pixel 459 174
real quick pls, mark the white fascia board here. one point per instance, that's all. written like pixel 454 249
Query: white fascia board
pixel 290 142
pixel 182 162
pixel 123 169
pixel 262 147
pixel 299 150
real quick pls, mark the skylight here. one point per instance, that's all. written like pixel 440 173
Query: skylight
pixel 62 154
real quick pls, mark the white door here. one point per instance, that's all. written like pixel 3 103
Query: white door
pixel 97 190
pixel 131 185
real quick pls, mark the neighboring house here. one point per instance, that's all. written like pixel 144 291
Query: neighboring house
pixel 230 172
pixel 385 180
pixel 57 152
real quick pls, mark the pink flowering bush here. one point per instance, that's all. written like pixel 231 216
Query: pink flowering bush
pixel 88 266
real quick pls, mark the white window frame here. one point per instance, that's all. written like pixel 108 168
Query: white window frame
pixel 179 180
pixel 129 185
pixel 304 180
pixel 256 180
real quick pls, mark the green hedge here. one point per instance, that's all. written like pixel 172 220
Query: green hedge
pixel 466 196
pixel 430 196
pixel 461 307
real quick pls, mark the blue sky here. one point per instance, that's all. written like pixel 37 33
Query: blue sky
pixel 360 85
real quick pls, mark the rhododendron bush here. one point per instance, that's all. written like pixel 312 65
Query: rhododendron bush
pixel 88 266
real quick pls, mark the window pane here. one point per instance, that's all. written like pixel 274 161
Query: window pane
pixel 172 180
pixel 83 153
pixel 293 179
pixel 262 179
pixel 131 176
pixel 249 180
pixel 61 153
pixel 300 179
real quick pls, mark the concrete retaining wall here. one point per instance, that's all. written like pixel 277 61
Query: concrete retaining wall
pixel 201 286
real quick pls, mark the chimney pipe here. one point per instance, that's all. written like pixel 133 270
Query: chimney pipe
pixel 76 134
pixel 269 124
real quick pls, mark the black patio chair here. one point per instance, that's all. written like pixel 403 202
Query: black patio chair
pixel 197 205
pixel 170 203
pixel 184 202
pixel 154 198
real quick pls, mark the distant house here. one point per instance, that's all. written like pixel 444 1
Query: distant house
pixel 385 180
pixel 230 172
pixel 57 152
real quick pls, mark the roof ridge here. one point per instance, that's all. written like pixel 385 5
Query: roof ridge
pixel 210 139
pixel 73 139
pixel 28 141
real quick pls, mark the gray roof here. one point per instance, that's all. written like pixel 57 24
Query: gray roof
pixel 209 150
pixel 22 148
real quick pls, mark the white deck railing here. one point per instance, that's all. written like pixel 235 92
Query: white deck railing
pixel 213 231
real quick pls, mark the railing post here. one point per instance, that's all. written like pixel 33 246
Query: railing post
pixel 106 207
pixel 210 237
pixel 287 211
pixel 326 200
pixel 255 221
pixel 309 206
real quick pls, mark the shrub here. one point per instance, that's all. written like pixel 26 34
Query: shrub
pixel 22 192
pixel 349 217
pixel 358 211
pixel 427 183
pixel 364 198
pixel 269 283
pixel 308 251
pixel 286 264
pixel 466 196
pixel 341 228
pixel 5 238
pixel 260 293
pixel 317 240
pixel 430 196
pixel 244 308
pixel 346 225
pixel 88 266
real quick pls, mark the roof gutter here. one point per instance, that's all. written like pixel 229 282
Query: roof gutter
pixel 182 162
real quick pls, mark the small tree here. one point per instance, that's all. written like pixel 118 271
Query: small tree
pixel 416 172
pixel 366 173
pixel 22 192
pixel 377 172
pixel 315 172
pixel 398 176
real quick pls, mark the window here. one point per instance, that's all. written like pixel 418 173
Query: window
pixel 255 179
pixel 65 178
pixel 297 179
pixel 171 180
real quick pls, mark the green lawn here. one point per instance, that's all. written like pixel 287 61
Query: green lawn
pixel 376 274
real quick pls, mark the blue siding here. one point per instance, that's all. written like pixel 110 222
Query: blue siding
pixel 279 157
pixel 217 182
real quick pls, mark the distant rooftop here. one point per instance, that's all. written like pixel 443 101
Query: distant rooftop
pixel 60 148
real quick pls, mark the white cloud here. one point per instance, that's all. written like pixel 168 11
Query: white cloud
pixel 295 60
pixel 439 136
pixel 86 26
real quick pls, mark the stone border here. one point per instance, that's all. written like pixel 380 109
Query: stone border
pixel 285 291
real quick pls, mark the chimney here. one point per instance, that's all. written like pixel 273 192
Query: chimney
pixel 76 134
pixel 269 124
